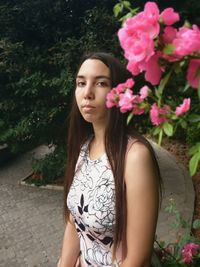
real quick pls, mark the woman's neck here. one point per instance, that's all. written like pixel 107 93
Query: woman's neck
pixel 99 135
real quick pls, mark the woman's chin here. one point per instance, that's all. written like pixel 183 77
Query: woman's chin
pixel 89 118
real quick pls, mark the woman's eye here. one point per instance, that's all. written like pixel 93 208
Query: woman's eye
pixel 102 84
pixel 80 84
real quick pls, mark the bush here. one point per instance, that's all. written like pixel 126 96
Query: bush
pixel 38 64
pixel 50 168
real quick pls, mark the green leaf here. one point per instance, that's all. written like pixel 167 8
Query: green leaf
pixel 157 93
pixel 168 49
pixel 187 24
pixel 127 16
pixel 130 116
pixel 183 124
pixel 187 86
pixel 160 137
pixel 135 11
pixel 194 149
pixel 163 82
pixel 126 4
pixel 117 9
pixel 194 118
pixel 193 164
pixel 174 117
pixel 196 224
pixel 156 130
pixel 198 89
pixel 168 129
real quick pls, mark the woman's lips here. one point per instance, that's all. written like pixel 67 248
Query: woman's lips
pixel 88 108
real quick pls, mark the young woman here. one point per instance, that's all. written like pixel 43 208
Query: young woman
pixel 112 178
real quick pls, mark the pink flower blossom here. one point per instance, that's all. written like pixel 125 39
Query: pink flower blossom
pixel 137 39
pixel 133 67
pixel 169 17
pixel 184 107
pixel 137 99
pixel 144 91
pixel 169 34
pixel 126 101
pixel 193 73
pixel 111 99
pixel 121 88
pixel 153 70
pixel 146 21
pixel 137 110
pixel 187 41
pixel 159 115
pixel 137 48
pixel 188 251
pixel 129 83
pixel 151 10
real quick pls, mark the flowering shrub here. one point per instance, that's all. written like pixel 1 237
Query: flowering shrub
pixel 185 251
pixel 153 47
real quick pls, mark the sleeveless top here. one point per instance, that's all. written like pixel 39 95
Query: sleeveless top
pixel 91 201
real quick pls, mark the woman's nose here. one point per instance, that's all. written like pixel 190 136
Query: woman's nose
pixel 88 92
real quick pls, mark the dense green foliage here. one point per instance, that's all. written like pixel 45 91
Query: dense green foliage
pixel 40 46
pixel 50 168
pixel 41 43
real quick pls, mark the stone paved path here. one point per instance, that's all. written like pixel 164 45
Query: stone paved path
pixel 31 222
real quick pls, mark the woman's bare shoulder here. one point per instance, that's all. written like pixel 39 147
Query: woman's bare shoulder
pixel 139 162
pixel 137 150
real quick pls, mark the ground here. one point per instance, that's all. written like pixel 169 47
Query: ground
pixel 180 151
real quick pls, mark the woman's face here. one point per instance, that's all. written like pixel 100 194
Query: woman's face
pixel 92 85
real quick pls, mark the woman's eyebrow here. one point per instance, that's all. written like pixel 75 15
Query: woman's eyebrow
pixel 96 77
pixel 102 77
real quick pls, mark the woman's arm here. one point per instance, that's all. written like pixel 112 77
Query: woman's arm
pixel 70 247
pixel 142 206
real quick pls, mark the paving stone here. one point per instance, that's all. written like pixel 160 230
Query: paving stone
pixel 31 220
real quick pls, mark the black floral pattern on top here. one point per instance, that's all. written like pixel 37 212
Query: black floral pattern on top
pixel 91 203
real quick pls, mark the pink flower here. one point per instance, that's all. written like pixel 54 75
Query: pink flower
pixel 169 34
pixel 111 99
pixel 137 39
pixel 146 21
pixel 151 10
pixel 137 34
pixel 126 101
pixel 187 41
pixel 153 70
pixel 129 83
pixel 184 107
pixel 188 251
pixel 137 110
pixel 159 115
pixel 169 17
pixel 137 48
pixel 133 67
pixel 144 91
pixel 121 88
pixel 193 73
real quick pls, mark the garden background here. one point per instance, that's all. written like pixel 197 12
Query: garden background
pixel 41 43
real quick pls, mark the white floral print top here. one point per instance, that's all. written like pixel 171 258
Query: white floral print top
pixel 91 201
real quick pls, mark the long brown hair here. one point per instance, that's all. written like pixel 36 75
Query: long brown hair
pixel 116 139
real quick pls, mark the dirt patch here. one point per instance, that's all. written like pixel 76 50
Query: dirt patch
pixel 38 180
